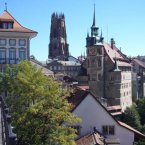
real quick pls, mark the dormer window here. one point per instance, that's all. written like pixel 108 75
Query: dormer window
pixel 10 25
pixel 6 25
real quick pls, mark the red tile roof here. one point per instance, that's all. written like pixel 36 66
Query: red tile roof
pixel 76 97
pixel 84 87
pixel 92 138
pixel 139 62
pixel 109 108
pixel 116 113
pixel 113 53
pixel 17 27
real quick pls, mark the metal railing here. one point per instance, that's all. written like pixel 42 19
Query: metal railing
pixel 8 137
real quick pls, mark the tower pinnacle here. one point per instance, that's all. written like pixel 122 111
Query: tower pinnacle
pixel 94 17
pixel 94 29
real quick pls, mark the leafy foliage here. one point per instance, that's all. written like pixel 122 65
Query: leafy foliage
pixel 38 106
pixel 141 110
pixel 140 143
pixel 131 117
pixel 135 117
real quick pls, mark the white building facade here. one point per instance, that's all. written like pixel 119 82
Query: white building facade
pixel 94 115
pixel 14 40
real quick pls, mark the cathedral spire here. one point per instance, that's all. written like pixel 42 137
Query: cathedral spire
pixel 94 29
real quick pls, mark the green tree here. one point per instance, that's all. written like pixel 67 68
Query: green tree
pixel 131 117
pixel 140 142
pixel 141 110
pixel 38 106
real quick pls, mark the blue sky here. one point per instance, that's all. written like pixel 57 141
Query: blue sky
pixel 124 20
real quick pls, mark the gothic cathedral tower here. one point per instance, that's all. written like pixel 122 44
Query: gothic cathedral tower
pixel 58 47
pixel 95 61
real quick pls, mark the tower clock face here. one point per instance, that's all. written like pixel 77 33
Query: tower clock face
pixel 92 51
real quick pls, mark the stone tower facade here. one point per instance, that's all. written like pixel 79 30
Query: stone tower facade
pixel 108 70
pixel 58 47
pixel 95 61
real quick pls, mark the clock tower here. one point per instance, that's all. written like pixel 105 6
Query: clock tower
pixel 95 61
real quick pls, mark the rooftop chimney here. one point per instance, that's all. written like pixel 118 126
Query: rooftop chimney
pixel 112 43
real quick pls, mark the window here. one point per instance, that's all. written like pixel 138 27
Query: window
pixel 55 68
pixel 50 67
pixel 2 56
pixel 93 61
pixel 7 25
pixel 99 51
pixel 99 63
pixel 2 42
pixel 10 25
pixel 22 42
pixel 12 42
pixel 111 130
pixel 12 55
pixel 22 54
pixel 108 130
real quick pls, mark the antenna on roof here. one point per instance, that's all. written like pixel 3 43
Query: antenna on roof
pixel 107 33
pixel 5 6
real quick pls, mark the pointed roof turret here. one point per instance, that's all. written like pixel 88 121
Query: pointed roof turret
pixel 94 29
pixel 101 33
pixel 87 34
pixel 101 37
pixel 94 20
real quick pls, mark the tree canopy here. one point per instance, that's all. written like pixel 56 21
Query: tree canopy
pixel 38 106
pixel 141 109
pixel 131 117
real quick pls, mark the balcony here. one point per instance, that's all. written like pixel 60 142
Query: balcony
pixel 8 61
